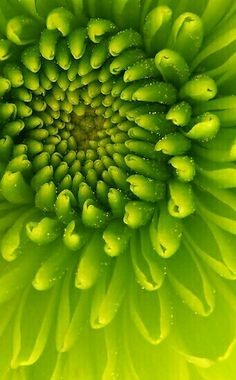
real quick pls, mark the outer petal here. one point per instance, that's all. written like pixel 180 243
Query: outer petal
pixel 191 331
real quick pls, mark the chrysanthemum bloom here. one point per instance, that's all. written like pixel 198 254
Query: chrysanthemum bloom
pixel 118 202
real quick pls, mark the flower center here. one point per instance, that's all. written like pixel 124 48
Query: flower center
pixel 93 124
pixel 87 128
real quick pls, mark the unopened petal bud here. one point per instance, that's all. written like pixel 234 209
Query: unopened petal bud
pixel 184 167
pixel 64 206
pixel 165 233
pixel 181 203
pixel 75 235
pixel 43 232
pixel 146 189
pixel 116 237
pixel 180 114
pixel 137 213
pixel 173 144
pixel 172 66
pixel 15 188
pixel 45 197
pixel 201 88
pixel 61 19
pixel 205 127
pixel 93 216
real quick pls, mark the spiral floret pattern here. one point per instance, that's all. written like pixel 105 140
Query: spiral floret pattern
pixel 117 189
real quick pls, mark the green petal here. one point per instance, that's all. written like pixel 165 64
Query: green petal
pixel 17 275
pixel 11 244
pixel 220 173
pixel 60 19
pixel 29 344
pixel 126 13
pixel 172 67
pixel 124 40
pixel 156 28
pixel 148 269
pixel 217 342
pixel 219 207
pixel 186 35
pixel 15 189
pixel 116 237
pixel 109 293
pixel 150 312
pixel 165 233
pixel 22 30
pixel 52 269
pixel 90 263
pixel 43 232
pixel 190 281
pixel 72 313
pixel 213 13
pixel 216 249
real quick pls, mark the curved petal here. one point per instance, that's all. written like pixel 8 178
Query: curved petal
pixel 109 292
pixel 47 361
pixel 102 9
pixel 11 8
pixel 221 174
pixel 53 268
pixel 43 7
pixel 91 262
pixel 223 369
pixel 126 13
pixel 214 12
pixel 30 7
pixel 12 240
pixel 217 248
pixel 17 275
pixel 119 359
pixel 156 28
pixel 5 358
pixel 72 313
pixel 151 313
pixel 217 332
pixel 165 232
pixel 158 360
pixel 219 206
pixel 85 359
pixel 190 281
pixel 28 343
pixel 148 267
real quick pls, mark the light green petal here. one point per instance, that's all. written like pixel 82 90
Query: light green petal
pixel 190 282
pixel 217 247
pixel 213 13
pixel 193 330
pixel 16 276
pixel 126 13
pixel 72 314
pixel 146 356
pixel 223 175
pixel 119 359
pixel 109 293
pixel 151 313
pixel 218 207
pixel 29 343
pixel 156 28
pixel 148 268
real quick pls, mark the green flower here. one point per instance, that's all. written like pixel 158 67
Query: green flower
pixel 117 189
